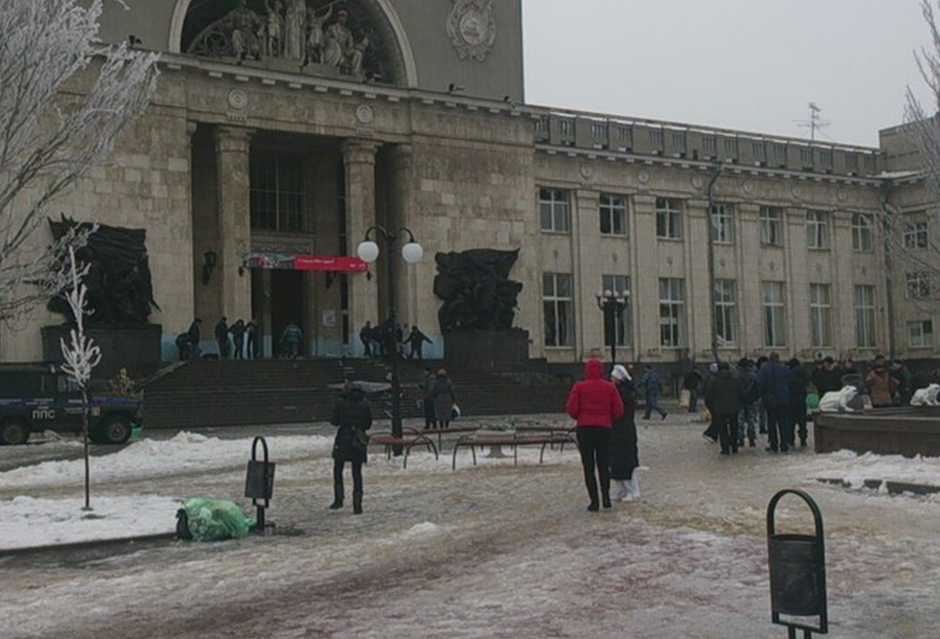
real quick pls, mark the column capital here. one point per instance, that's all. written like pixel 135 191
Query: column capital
pixel 233 138
pixel 360 151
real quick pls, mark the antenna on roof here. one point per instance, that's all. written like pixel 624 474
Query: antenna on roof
pixel 815 122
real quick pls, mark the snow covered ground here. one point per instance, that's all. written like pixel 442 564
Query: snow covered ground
pixel 494 551
pixel 855 470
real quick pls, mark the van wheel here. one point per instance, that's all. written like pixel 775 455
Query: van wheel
pixel 114 430
pixel 14 432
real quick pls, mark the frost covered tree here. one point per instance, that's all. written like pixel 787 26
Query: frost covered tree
pixel 79 352
pixel 912 249
pixel 64 99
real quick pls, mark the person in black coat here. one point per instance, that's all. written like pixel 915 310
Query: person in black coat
pixel 723 400
pixel 623 453
pixel 353 417
pixel 799 383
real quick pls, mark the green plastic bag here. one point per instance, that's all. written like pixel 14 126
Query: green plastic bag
pixel 216 520
pixel 812 401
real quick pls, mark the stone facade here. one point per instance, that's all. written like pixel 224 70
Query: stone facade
pixel 464 167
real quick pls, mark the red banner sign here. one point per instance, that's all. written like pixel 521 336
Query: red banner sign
pixel 285 262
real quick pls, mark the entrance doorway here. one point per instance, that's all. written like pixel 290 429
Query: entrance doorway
pixel 287 305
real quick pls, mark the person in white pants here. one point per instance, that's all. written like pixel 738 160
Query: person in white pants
pixel 623 455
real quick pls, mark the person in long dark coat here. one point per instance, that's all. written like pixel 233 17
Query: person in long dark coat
pixel 427 401
pixel 353 416
pixel 623 454
pixel 442 395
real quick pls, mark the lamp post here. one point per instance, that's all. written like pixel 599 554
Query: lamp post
pixel 613 306
pixel 412 253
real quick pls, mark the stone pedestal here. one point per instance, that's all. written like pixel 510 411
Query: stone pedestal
pixel 136 349
pixel 487 349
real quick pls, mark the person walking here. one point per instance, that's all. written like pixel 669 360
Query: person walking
pixel 221 337
pixel 750 402
pixel 195 351
pixel 238 338
pixel 881 385
pixel 652 386
pixel 691 384
pixel 594 404
pixel 251 339
pixel 774 382
pixel 416 340
pixel 723 400
pixel 799 385
pixel 442 396
pixel 427 399
pixel 353 416
pixel 624 457
pixel 291 338
pixel 365 336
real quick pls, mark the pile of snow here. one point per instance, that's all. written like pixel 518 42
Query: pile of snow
pixel 854 469
pixel 185 453
pixel 28 523
pixel 427 529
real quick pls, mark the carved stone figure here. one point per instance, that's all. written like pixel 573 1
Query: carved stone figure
pixel 246 24
pixel 120 289
pixel 476 290
pixel 295 34
pixel 357 57
pixel 239 34
pixel 315 35
pixel 339 41
pixel 275 34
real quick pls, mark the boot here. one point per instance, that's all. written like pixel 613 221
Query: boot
pixel 357 503
pixel 337 498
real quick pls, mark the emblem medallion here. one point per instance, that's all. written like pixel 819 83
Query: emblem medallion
pixel 472 28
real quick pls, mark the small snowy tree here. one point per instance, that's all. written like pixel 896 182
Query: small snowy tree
pixel 80 353
pixel 53 130
pixel 922 253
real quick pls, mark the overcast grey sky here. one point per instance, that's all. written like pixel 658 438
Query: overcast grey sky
pixel 744 64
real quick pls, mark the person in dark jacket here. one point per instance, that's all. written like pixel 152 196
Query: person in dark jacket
pixel 238 338
pixel 774 383
pixel 799 383
pixel 366 336
pixel 427 401
pixel 750 402
pixel 416 340
pixel 353 417
pixel 251 339
pixel 594 404
pixel 652 385
pixel 692 382
pixel 623 456
pixel 221 337
pixel 905 378
pixel 723 400
pixel 827 378
pixel 442 396
pixel 194 339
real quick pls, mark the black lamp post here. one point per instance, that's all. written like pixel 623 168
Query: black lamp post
pixel 613 305
pixel 412 253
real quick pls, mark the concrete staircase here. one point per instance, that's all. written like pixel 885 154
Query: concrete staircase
pixel 228 393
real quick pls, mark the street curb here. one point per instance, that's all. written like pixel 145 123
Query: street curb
pixel 893 487
pixel 85 545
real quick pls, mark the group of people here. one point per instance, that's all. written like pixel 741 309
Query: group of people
pixel 379 340
pixel 239 340
pixel 606 432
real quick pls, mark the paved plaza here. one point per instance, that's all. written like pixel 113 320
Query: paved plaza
pixel 489 551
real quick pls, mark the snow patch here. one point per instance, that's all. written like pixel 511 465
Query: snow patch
pixel 427 529
pixel 27 523
pixel 148 458
pixel 854 469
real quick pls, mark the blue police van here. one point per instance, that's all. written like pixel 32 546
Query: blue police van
pixel 38 397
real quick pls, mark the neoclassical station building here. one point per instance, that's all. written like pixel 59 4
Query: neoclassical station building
pixel 286 128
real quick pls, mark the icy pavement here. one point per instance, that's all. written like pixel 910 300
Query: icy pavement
pixel 497 551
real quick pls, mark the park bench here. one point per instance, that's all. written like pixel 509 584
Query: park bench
pixel 555 436
pixel 409 439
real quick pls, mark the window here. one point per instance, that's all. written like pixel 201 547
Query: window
pixel 921 334
pixel 722 218
pixel 771 226
pixel 820 314
pixel 865 316
pixel 918 284
pixel 278 193
pixel 915 236
pixel 553 210
pixel 863 236
pixel 671 312
pixel 613 215
pixel 775 314
pixel 622 329
pixel 726 312
pixel 558 307
pixel 668 219
pixel 817 230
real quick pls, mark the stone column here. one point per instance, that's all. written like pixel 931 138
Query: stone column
pixel 795 274
pixel 589 321
pixel 232 146
pixel 359 159
pixel 645 280
pixel 698 283
pixel 749 299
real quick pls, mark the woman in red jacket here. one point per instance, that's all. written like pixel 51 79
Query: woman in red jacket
pixel 594 404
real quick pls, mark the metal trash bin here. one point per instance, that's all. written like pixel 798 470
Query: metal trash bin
pixel 259 483
pixel 797 571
